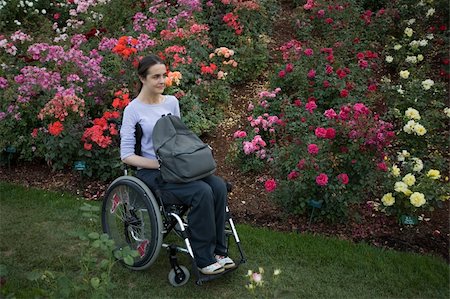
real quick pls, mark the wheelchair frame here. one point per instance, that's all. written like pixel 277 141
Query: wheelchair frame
pixel 146 219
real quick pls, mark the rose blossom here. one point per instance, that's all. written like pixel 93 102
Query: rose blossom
pixel 343 178
pixel 320 132
pixel 292 175
pixel 330 114
pixel 270 185
pixel 322 179
pixel 310 106
pixel 313 149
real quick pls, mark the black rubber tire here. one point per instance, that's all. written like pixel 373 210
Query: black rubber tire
pixel 131 217
pixel 171 277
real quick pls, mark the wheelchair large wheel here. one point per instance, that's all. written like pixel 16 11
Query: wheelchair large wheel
pixel 131 217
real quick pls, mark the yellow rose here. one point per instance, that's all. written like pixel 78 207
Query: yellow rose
pixel 417 199
pixel 434 174
pixel 400 187
pixel 388 200
pixel 420 130
pixel 404 74
pixel 395 170
pixel 409 179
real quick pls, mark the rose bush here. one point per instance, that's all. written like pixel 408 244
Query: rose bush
pixel 87 51
pixel 413 188
pixel 342 104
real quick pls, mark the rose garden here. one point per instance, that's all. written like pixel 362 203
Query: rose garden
pixel 350 120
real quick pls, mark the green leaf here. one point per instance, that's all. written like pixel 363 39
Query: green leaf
pixel 94 235
pixel 128 260
pixel 3 270
pixel 104 237
pixel 95 282
pixel 96 244
pixel 104 264
pixel 34 275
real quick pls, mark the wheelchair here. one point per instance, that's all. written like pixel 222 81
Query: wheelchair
pixel 134 216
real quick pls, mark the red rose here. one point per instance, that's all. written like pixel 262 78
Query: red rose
pixel 344 93
pixel 55 128
pixel 330 134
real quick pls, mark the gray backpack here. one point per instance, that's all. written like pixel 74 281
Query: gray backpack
pixel 182 155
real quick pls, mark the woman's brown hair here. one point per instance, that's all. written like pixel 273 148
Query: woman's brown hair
pixel 144 64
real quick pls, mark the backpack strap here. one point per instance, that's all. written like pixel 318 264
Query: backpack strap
pixel 138 135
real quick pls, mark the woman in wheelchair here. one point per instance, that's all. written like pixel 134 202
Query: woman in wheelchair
pixel 207 197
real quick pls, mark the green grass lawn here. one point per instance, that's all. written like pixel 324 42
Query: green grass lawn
pixel 35 235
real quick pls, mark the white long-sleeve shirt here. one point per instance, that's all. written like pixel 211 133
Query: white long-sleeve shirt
pixel 146 115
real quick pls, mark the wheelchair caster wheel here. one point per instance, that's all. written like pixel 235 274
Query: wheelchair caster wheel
pixel 180 278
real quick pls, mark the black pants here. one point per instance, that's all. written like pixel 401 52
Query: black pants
pixel 206 219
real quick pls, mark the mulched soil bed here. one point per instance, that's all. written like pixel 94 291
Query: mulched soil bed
pixel 249 204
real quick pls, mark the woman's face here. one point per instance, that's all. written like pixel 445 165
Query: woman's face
pixel 155 81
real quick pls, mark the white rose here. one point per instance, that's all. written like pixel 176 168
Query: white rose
pixel 426 84
pixel 412 113
pixel 408 32
pixel 447 111
pixel 404 74
pixel 409 127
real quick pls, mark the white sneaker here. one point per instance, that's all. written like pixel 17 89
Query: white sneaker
pixel 215 268
pixel 225 261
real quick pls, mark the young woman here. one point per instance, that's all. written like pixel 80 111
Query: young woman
pixel 206 197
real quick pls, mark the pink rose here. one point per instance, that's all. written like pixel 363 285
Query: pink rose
pixel 292 175
pixel 313 149
pixel 343 178
pixel 330 114
pixel 321 132
pixel 240 134
pixel 301 164
pixel 382 166
pixel 289 67
pixel 270 185
pixel 311 74
pixel 309 52
pixel 282 73
pixel 322 179
pixel 310 106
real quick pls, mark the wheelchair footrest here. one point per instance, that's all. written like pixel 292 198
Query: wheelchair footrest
pixel 204 278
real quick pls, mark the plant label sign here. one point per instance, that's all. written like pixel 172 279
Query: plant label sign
pixel 79 165
pixel 408 220
pixel 315 203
